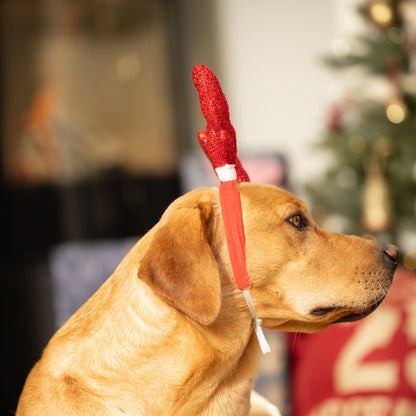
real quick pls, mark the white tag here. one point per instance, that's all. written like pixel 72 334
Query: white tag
pixel 264 346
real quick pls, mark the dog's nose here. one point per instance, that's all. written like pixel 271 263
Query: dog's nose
pixel 392 253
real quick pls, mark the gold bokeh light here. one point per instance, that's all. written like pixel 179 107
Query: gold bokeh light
pixel 396 112
pixel 381 13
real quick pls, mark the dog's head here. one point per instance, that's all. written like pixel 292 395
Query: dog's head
pixel 302 277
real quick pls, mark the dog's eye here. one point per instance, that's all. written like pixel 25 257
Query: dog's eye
pixel 298 222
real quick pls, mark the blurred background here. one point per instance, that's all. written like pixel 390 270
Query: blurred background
pixel 99 121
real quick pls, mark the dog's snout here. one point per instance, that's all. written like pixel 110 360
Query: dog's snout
pixel 391 253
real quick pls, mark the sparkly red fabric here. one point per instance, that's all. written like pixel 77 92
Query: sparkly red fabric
pixel 219 143
pixel 218 140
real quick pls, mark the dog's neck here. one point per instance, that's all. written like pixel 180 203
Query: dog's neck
pixel 153 339
pixel 225 349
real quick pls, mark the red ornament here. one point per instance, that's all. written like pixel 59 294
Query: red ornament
pixel 335 118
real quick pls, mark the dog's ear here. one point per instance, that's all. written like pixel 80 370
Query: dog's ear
pixel 180 266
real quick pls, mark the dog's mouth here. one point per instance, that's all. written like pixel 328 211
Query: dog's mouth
pixel 355 315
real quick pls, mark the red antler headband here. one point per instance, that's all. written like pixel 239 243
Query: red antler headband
pixel 219 143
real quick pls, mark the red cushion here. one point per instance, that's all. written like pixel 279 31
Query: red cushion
pixel 362 368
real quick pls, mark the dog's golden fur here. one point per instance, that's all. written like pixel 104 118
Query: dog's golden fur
pixel 169 334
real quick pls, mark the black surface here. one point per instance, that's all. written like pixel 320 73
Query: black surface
pixel 35 219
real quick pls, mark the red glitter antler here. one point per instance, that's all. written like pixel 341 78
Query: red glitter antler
pixel 219 143
pixel 218 140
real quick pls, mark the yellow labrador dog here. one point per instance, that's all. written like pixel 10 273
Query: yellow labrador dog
pixel 169 334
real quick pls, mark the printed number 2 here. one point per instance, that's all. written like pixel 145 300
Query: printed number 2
pixel 352 375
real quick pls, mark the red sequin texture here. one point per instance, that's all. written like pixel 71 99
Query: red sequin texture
pixel 242 175
pixel 219 139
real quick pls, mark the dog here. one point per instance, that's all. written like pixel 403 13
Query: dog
pixel 170 334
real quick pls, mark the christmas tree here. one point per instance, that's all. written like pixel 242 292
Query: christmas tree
pixel 371 131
